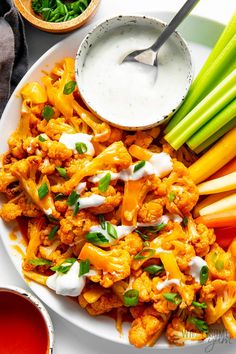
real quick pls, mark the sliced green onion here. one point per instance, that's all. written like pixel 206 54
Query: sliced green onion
pixel 76 209
pixel 131 297
pixel 199 324
pixel 173 297
pixel 102 221
pixel 204 275
pixel 65 266
pixel 154 269
pixel 141 255
pixel 39 262
pixel 96 238
pixel 185 221
pixel 59 196
pixel 139 165
pixel 81 148
pixel 142 235
pixel 156 228
pixel 69 87
pixel 72 199
pixel 202 305
pixel 43 191
pixel 52 219
pixel 111 231
pixel 146 244
pixel 84 267
pixel 171 197
pixel 104 182
pixel 53 232
pixel 41 138
pixel 62 172
pixel 48 112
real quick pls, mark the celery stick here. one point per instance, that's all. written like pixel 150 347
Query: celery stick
pixel 212 139
pixel 216 100
pixel 225 38
pixel 217 122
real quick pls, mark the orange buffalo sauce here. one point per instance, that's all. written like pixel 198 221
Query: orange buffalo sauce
pixel 22 327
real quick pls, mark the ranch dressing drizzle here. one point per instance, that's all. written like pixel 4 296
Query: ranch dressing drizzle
pixel 196 264
pixel 129 92
pixel 69 140
pixel 159 164
pixel 121 231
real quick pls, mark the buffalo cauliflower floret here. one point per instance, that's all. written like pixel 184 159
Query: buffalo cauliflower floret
pixel 142 138
pixel 10 211
pixel 104 304
pixel 146 329
pixel 74 228
pixel 182 193
pixel 115 263
pixel 131 243
pixel 113 199
pixel 18 206
pixel 178 333
pixel 220 263
pixel 151 211
pixel 219 296
pixel 55 127
pixel 6 178
pixel 200 237
pixel 144 286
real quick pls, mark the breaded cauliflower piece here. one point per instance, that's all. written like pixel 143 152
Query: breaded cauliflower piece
pixel 182 192
pixel 142 138
pixel 220 263
pixel 113 200
pixel 18 206
pixel 144 286
pixel 178 333
pixel 200 237
pixel 131 243
pixel 104 304
pixel 151 211
pixel 6 178
pixel 115 263
pixel 10 211
pixel 74 228
pixel 55 127
pixel 146 329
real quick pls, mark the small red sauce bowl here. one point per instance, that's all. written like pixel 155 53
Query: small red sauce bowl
pixel 25 325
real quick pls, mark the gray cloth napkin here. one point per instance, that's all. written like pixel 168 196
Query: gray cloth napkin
pixel 13 50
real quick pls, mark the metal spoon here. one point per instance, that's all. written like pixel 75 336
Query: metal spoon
pixel 149 55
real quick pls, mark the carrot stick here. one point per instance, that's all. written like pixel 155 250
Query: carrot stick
pixel 226 218
pixel 229 168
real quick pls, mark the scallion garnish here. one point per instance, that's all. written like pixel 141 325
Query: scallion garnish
pixel 72 199
pixel 202 305
pixel 145 253
pixel 96 238
pixel 131 297
pixel 111 231
pixel 53 232
pixel 154 269
pixel 76 209
pixel 139 165
pixel 41 138
pixel 173 297
pixel 185 221
pixel 48 112
pixel 171 197
pixel 156 228
pixel 43 191
pixel 59 196
pixel 104 182
pixel 199 324
pixel 69 87
pixel 84 267
pixel 81 148
pixel 204 275
pixel 65 266
pixel 102 221
pixel 142 235
pixel 39 261
pixel 62 172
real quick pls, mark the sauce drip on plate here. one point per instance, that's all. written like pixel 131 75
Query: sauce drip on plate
pixel 22 327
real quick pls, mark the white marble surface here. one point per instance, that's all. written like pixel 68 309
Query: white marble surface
pixel 68 339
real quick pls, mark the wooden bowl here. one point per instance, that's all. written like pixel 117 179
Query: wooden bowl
pixel 24 7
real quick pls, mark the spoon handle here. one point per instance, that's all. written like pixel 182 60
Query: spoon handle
pixel 179 17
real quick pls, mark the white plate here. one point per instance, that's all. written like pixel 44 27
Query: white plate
pixel 201 34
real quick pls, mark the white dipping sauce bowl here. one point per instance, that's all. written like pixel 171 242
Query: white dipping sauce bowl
pixel 163 100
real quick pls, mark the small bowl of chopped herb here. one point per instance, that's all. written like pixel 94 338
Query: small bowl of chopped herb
pixel 58 16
